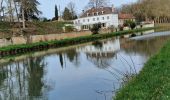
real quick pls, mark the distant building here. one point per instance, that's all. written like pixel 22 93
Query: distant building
pixel 103 15
pixel 125 17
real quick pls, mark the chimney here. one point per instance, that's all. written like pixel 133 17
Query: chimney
pixel 113 8
pixel 102 7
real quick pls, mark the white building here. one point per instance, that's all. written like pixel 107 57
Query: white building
pixel 103 15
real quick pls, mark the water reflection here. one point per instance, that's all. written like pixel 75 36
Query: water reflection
pixel 145 47
pixel 90 72
pixel 100 53
pixel 23 80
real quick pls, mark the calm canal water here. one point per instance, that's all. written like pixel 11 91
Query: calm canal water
pixel 92 71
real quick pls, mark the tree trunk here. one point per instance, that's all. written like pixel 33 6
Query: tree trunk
pixel 1 9
pixel 16 10
pixel 23 18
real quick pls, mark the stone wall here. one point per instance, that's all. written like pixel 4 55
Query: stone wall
pixel 46 37
pixel 50 37
pixel 39 38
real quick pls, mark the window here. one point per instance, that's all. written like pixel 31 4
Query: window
pixel 83 20
pixel 85 27
pixel 94 19
pixel 97 18
pixel 88 20
pixel 103 24
pixel 102 12
pixel 108 17
pixel 78 21
pixel 95 14
pixel 103 18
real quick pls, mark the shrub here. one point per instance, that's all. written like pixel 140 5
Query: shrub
pixel 69 28
pixel 130 24
pixel 112 28
pixel 95 29
pixel 120 28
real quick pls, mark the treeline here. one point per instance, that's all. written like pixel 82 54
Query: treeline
pixel 147 10
pixel 12 10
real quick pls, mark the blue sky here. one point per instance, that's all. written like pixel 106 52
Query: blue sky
pixel 47 6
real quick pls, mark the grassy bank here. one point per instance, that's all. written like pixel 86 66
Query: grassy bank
pixel 8 29
pixel 25 48
pixel 162 27
pixel 153 82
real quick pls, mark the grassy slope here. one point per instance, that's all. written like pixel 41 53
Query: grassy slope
pixel 7 29
pixel 153 82
pixel 49 27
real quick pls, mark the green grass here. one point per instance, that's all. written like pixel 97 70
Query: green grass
pixel 68 41
pixel 163 27
pixel 5 29
pixel 153 82
pixel 5 25
pixel 36 27
pixel 49 27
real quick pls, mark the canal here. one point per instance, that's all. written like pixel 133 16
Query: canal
pixel 91 71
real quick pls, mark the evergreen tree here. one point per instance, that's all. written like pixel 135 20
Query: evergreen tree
pixel 67 14
pixel 56 12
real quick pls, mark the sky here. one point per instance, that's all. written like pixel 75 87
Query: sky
pixel 47 6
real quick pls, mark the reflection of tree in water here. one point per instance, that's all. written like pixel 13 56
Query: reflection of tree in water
pixel 61 60
pixel 73 56
pixel 3 75
pixel 145 47
pixel 35 68
pixel 97 44
pixel 23 80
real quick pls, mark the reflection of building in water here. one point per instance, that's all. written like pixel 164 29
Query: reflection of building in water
pixel 107 48
pixel 100 53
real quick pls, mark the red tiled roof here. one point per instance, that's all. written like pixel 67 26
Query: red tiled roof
pixel 106 10
pixel 126 16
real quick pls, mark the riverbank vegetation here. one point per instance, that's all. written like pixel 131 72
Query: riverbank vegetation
pixel 153 82
pixel 162 27
pixel 25 48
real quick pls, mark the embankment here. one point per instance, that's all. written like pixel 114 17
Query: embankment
pixel 153 82
pixel 25 48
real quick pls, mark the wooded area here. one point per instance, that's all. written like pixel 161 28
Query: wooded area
pixel 146 10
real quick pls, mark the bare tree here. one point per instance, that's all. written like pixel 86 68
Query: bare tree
pixel 97 3
pixel 1 9
pixel 71 6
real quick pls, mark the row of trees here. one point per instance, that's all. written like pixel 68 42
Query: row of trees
pixel 69 12
pixel 25 9
pixel 157 10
